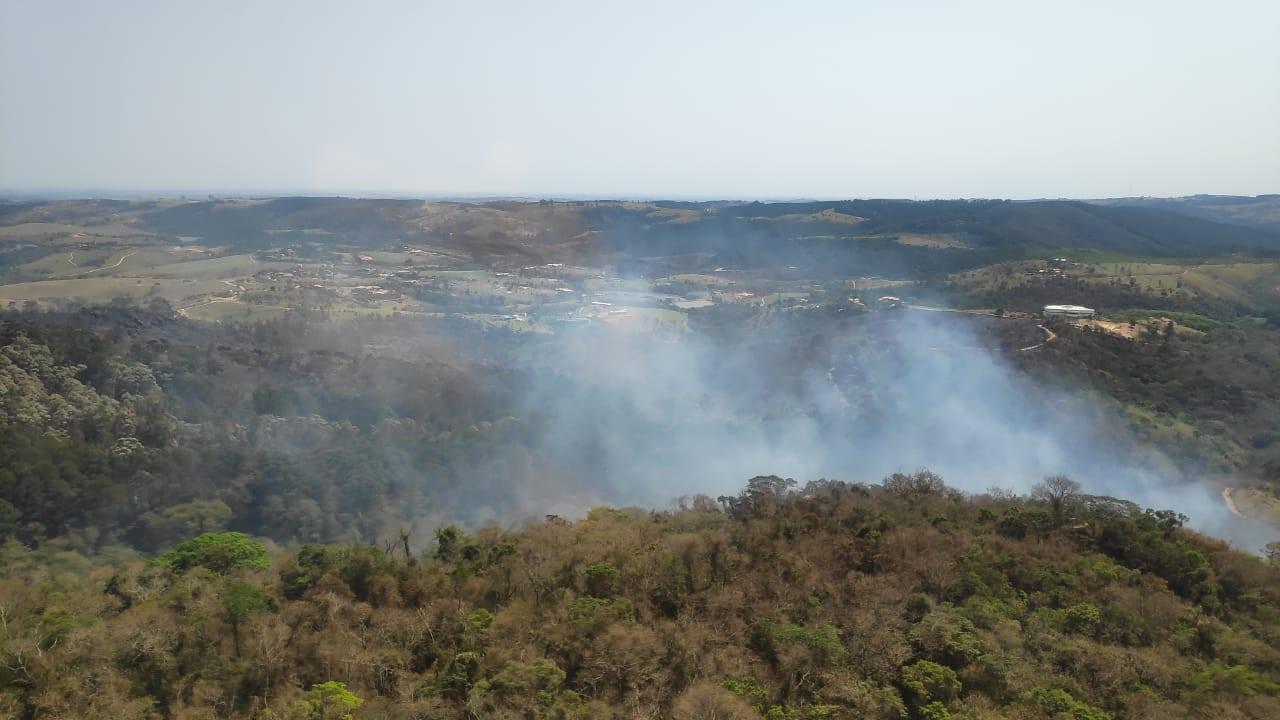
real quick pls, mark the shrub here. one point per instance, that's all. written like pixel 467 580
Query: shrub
pixel 601 569
pixel 935 711
pixel 242 600
pixel 1056 702
pixel 479 620
pixel 448 540
pixel 600 577
pixel 1083 618
pixel 927 682
pixel 823 637
pixel 327 701
pixel 527 687
pixel 1217 679
pixel 706 700
pixel 948 638
pixel 751 690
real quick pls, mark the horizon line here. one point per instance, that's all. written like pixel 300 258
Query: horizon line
pixel 206 195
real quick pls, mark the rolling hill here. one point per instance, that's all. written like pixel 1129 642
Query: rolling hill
pixel 892 237
pixel 1262 211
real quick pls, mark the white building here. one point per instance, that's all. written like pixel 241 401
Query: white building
pixel 1071 311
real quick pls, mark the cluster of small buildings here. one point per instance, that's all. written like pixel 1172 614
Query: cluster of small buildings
pixel 294 273
pixel 281 255
pixel 1051 272
pixel 373 293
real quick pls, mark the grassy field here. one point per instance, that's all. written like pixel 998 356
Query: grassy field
pixel 40 230
pixel 1097 257
pixel 1254 283
pixel 643 319
pixel 232 310
pixel 1191 321
pixel 929 240
pixel 141 260
pixel 223 268
pixel 68 263
pixel 386 308
pixel 105 288
pixel 451 274
pixel 1258 503
pixel 390 258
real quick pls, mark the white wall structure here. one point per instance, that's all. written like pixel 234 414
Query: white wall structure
pixel 1074 311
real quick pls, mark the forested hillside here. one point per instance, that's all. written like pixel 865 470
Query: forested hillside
pixel 903 600
pixel 125 425
pixel 1261 211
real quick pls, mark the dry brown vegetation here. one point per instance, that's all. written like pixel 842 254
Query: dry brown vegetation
pixel 906 600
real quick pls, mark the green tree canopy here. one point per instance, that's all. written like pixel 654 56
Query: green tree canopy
pixel 220 552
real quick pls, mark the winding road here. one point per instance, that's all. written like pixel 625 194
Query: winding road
pixel 1049 337
pixel 117 264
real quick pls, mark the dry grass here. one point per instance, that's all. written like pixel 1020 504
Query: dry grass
pixel 43 230
pixel 1257 504
pixel 105 288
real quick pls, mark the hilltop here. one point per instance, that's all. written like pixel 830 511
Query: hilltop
pixel 836 601
pixel 1261 211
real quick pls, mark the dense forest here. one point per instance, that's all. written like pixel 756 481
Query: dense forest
pixel 123 424
pixel 128 425
pixel 899 600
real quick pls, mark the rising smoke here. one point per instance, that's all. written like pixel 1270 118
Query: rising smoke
pixel 639 418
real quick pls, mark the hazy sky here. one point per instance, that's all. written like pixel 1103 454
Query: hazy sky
pixel 706 99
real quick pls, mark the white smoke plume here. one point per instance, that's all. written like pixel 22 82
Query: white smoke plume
pixel 639 418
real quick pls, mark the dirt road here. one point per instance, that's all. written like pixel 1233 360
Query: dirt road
pixel 117 264
pixel 844 401
pixel 1231 502
pixel 1049 337
pixel 950 310
pixel 185 311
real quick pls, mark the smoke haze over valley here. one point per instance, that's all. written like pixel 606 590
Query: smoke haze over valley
pixel 628 417
pixel 436 360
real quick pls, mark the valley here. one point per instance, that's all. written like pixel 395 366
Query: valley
pixel 451 417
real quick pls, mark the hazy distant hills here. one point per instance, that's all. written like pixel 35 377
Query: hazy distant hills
pixel 885 236
pixel 1011 225
pixel 1262 211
